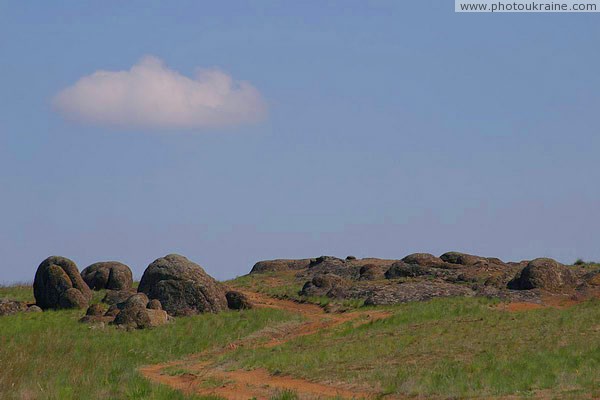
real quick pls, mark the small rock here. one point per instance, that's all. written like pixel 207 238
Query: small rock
pixel 136 317
pixel 10 307
pixel 237 300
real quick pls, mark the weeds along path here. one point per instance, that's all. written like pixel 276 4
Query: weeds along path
pixel 202 374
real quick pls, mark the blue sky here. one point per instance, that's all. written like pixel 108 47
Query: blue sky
pixel 391 127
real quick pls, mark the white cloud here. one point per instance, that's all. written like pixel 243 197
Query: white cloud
pixel 150 95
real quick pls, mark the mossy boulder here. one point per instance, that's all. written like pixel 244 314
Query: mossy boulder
pixel 182 286
pixel 329 285
pixel 58 284
pixel 279 265
pixel 238 300
pixel 455 257
pixel 135 314
pixel 111 275
pixel 425 260
pixel 544 273
pixel 371 272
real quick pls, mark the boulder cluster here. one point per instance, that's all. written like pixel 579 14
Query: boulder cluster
pixel 422 276
pixel 174 286
pixel 171 286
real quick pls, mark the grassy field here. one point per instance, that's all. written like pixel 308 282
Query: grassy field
pixel 280 284
pixel 446 348
pixel 452 348
pixel 52 356
pixel 21 292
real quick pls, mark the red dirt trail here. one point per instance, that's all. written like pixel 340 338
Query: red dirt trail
pixel 204 376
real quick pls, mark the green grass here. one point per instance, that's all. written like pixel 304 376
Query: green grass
pixel 459 347
pixel 52 356
pixel 286 395
pixel 448 348
pixel 281 285
pixel 21 292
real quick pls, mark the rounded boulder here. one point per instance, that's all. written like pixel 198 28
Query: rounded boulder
pixel 424 259
pixel 58 284
pixel 238 300
pixel 182 286
pixel 111 275
pixel 543 273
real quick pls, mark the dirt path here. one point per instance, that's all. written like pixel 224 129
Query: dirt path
pixel 204 376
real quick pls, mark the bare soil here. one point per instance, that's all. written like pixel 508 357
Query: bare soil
pixel 204 376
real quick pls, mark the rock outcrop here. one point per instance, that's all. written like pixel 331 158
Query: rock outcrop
pixel 280 265
pixel 425 260
pixel 455 257
pixel 111 275
pixel 58 284
pixel 416 291
pixel 182 286
pixel 402 269
pixel 371 272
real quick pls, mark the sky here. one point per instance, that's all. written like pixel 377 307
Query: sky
pixel 232 132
